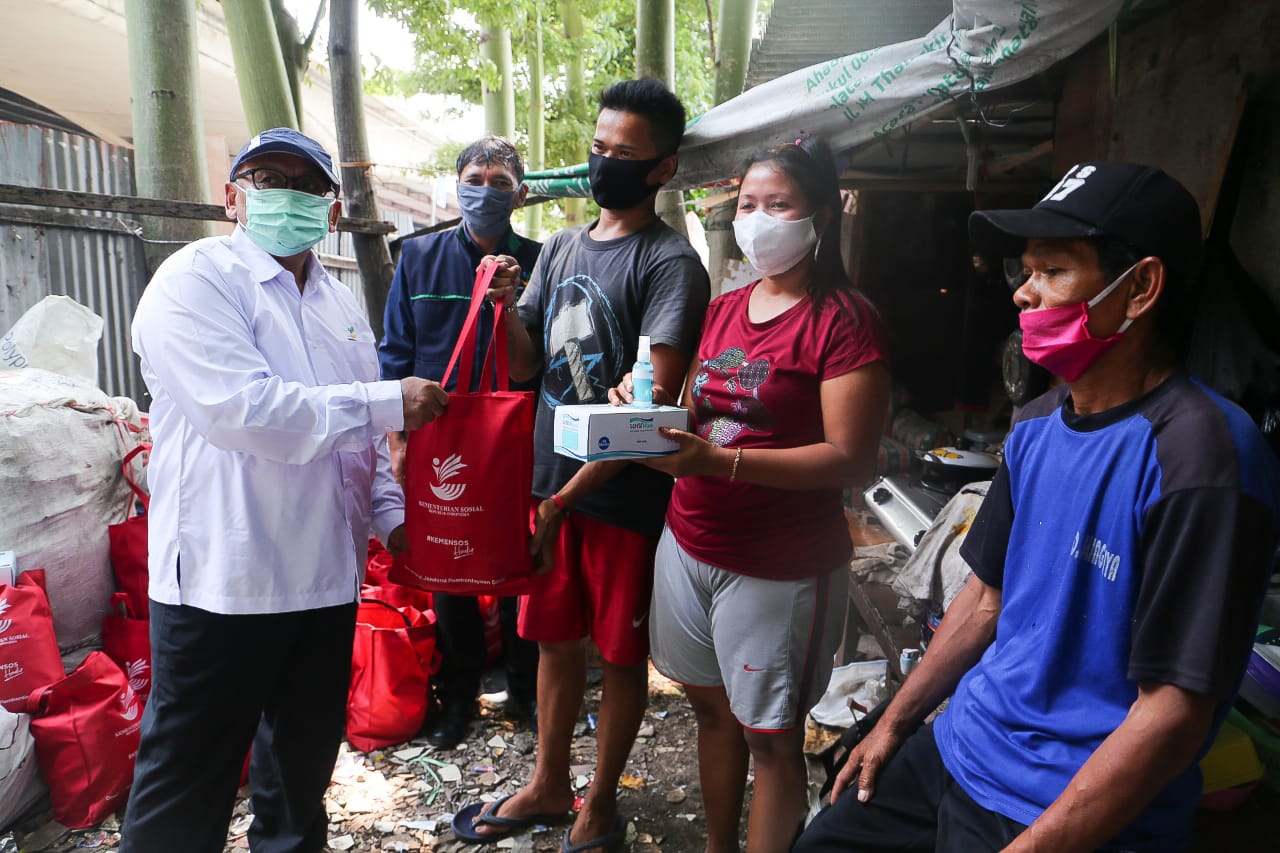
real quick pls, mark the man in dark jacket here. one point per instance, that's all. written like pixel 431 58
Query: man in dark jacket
pixel 428 303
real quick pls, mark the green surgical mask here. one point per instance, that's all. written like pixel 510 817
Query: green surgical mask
pixel 285 222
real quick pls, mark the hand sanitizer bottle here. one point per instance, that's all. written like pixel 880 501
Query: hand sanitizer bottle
pixel 642 377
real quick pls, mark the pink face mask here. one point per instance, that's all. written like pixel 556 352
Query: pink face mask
pixel 1058 339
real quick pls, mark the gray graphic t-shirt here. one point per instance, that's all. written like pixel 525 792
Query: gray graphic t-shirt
pixel 587 304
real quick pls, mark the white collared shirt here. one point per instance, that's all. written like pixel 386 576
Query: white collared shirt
pixel 269 426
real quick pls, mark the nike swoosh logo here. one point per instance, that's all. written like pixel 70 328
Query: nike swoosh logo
pixel 637 622
pixel 749 668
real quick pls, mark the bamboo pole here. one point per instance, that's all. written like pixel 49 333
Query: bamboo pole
pixel 259 62
pixel 499 103
pixel 536 155
pixel 737 17
pixel 575 209
pixel 168 132
pixel 656 58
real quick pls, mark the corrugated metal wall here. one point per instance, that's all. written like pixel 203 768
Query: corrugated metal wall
pixel 338 252
pixel 101 270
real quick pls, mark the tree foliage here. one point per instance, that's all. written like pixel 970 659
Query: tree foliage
pixel 447 34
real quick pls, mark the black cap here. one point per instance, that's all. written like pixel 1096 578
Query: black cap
pixel 1138 205
pixel 286 140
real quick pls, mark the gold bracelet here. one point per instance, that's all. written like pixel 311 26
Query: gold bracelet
pixel 733 473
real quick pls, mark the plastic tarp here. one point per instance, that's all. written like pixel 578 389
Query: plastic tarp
pixel 856 99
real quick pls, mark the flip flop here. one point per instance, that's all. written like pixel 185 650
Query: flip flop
pixel 464 822
pixel 610 841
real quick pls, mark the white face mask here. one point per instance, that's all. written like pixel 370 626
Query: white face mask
pixel 774 245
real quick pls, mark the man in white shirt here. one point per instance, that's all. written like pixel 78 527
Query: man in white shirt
pixel 269 470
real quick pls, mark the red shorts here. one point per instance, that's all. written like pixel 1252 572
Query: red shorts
pixel 600 587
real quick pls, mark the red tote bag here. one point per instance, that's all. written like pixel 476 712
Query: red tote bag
pixel 393 659
pixel 29 656
pixel 469 478
pixel 86 729
pixel 127 641
pixel 128 543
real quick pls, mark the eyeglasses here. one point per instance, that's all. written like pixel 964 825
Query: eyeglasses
pixel 264 178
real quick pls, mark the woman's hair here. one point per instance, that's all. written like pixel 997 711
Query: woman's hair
pixel 808 162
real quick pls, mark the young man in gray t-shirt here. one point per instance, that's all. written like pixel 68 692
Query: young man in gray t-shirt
pixel 594 291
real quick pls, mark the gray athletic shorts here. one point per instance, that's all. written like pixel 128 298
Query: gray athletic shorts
pixel 768 643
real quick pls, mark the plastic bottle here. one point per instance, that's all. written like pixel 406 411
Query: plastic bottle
pixel 908 661
pixel 642 377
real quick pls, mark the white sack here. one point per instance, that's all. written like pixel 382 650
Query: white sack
pixel 56 334
pixel 20 781
pixel 862 682
pixel 61 447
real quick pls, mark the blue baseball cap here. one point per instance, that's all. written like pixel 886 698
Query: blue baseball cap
pixel 286 140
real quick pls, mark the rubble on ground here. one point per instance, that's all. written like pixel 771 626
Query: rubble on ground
pixel 404 797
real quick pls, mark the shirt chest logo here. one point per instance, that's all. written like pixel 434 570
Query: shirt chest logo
pixel 1095 552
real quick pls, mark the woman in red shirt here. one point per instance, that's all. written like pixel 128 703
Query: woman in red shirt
pixel 786 398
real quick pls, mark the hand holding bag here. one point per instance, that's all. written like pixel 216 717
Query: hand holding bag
pixel 86 729
pixel 469 477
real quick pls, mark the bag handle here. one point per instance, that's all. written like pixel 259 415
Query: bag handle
pixel 390 607
pixel 464 351
pixel 437 660
pixel 128 478
pixel 497 351
pixel 120 605
pixel 38 701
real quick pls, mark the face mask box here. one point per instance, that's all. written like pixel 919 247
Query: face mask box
pixel 602 431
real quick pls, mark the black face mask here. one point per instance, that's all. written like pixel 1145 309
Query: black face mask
pixel 620 184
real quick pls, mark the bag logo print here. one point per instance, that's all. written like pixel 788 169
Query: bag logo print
pixel 5 624
pixel 129 704
pixel 137 672
pixel 10 671
pixel 445 471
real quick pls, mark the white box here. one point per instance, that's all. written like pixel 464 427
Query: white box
pixel 8 567
pixel 602 431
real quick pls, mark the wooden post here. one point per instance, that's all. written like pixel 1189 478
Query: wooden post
pixel 168 133
pixel 372 254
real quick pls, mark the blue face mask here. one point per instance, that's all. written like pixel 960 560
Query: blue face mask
pixel 486 210
pixel 285 222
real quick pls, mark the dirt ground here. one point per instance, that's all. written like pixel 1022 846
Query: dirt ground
pixel 403 798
